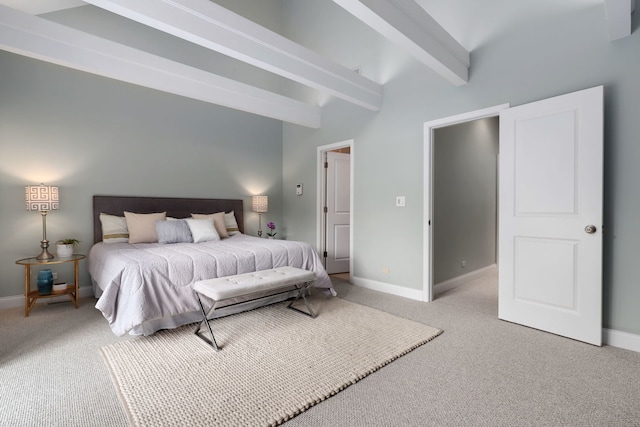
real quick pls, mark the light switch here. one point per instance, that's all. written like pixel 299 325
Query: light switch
pixel 400 201
pixel 299 190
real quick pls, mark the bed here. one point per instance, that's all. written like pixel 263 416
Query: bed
pixel 144 287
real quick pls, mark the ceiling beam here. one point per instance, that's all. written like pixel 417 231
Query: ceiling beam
pixel 212 26
pixel 407 24
pixel 618 13
pixel 38 38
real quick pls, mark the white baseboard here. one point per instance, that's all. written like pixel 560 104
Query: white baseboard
pixel 461 280
pixel 387 288
pixel 621 339
pixel 18 300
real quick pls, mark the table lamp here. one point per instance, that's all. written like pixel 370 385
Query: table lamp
pixel 260 204
pixel 42 198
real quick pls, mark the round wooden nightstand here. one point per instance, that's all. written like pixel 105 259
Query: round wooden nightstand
pixel 30 297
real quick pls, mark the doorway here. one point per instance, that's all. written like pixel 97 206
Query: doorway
pixel 430 132
pixel 335 207
pixel 464 191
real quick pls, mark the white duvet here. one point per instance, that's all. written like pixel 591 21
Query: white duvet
pixel 152 283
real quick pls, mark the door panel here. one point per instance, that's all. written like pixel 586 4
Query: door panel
pixel 544 273
pixel 341 246
pixel 550 268
pixel 554 191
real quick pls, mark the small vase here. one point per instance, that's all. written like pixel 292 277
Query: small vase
pixel 271 237
pixel 45 282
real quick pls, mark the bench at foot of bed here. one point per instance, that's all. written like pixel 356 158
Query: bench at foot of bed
pixel 223 289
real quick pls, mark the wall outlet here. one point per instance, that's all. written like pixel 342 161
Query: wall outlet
pixel 55 275
pixel 463 263
pixel 400 201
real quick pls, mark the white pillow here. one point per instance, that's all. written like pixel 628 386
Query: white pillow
pixel 142 227
pixel 218 222
pixel 231 224
pixel 114 229
pixel 202 230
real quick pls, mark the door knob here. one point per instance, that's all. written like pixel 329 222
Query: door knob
pixel 590 229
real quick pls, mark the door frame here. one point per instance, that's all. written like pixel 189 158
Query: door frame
pixel 320 228
pixel 427 239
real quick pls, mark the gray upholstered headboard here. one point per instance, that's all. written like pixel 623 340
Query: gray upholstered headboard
pixel 174 207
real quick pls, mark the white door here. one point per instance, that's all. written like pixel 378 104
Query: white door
pixel 338 211
pixel 550 209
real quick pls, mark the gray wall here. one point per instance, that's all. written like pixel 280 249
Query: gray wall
pixel 90 135
pixel 522 64
pixel 464 197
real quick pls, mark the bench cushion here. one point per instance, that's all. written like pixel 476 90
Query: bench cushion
pixel 242 284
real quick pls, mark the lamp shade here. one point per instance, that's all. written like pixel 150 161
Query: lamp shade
pixel 41 198
pixel 260 204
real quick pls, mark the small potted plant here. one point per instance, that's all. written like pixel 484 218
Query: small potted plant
pixel 64 247
pixel 271 226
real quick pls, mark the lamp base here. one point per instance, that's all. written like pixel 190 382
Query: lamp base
pixel 44 254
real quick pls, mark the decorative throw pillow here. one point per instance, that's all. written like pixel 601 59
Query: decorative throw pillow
pixel 202 230
pixel 218 222
pixel 142 227
pixel 114 229
pixel 231 224
pixel 173 231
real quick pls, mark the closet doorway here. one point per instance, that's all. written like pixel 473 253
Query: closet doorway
pixel 460 258
pixel 464 191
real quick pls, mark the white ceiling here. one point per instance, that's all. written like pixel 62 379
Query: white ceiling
pixel 469 24
pixel 36 7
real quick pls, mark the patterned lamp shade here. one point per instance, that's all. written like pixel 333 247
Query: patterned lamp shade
pixel 260 204
pixel 41 198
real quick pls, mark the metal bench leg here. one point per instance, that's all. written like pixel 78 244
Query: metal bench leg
pixel 301 293
pixel 212 342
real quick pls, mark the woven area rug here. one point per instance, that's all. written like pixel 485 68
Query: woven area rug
pixel 274 364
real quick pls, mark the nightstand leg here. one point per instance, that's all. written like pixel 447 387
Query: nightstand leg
pixel 27 288
pixel 75 283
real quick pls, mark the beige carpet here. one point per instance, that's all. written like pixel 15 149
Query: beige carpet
pixel 274 364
